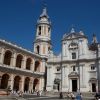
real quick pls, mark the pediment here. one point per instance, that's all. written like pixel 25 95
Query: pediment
pixel 73 74
pixel 73 36
pixel 93 80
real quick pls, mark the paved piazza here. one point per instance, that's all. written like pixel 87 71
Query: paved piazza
pixel 53 98
pixel 34 97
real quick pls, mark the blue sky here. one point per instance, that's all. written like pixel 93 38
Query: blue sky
pixel 18 19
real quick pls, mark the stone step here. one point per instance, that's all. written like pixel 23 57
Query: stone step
pixel 87 94
pixel 5 98
pixel 11 98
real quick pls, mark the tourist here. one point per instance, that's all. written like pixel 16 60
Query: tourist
pixel 61 95
pixel 72 96
pixel 97 96
pixel 68 95
pixel 79 96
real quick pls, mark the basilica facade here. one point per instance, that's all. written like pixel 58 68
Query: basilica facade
pixel 76 68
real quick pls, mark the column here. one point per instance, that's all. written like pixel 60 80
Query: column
pixel 1 55
pixel 63 79
pixel 70 85
pixel 21 87
pixel 48 76
pixel 67 73
pixel 31 86
pixel 81 76
pixel 32 65
pixel 41 84
pixel 42 66
pixel 13 60
pixel 11 81
pixel 23 66
pixel 49 79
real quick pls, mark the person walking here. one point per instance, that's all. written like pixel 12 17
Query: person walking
pixel 79 96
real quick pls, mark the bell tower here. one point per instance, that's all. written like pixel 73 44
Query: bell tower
pixel 42 43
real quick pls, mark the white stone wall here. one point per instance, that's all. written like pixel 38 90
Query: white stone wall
pixel 83 61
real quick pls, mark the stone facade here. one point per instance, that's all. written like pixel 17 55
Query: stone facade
pixel 75 67
pixel 24 70
pixel 21 69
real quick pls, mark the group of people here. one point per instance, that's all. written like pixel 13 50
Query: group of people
pixel 39 93
pixel 97 96
pixel 72 96
pixel 78 96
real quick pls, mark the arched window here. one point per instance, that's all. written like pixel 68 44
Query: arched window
pixel 28 63
pixel 7 57
pixel 38 49
pixel 19 61
pixel 37 65
pixel 4 81
pixel 39 33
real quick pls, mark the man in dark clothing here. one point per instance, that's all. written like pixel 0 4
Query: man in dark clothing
pixel 97 95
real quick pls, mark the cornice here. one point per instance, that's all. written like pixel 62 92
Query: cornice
pixel 71 61
pixel 18 48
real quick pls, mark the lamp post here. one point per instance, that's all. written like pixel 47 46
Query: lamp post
pixel 94 47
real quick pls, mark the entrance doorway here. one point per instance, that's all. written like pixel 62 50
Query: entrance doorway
pixel 93 87
pixel 74 85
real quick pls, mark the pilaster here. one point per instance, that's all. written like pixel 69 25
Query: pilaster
pixel 23 66
pixel 13 59
pixel 31 86
pixel 2 55
pixel 42 66
pixel 41 85
pixel 11 81
pixel 32 65
pixel 21 85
